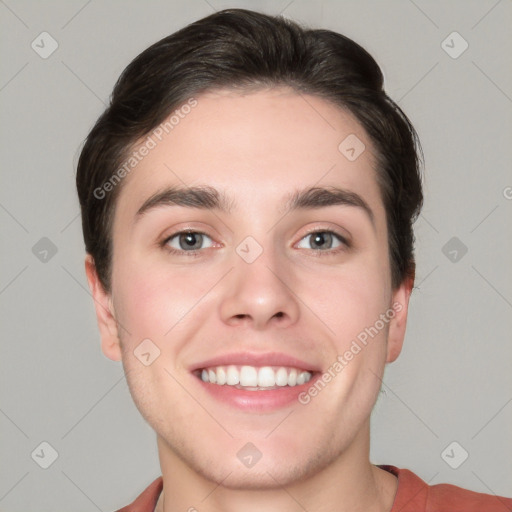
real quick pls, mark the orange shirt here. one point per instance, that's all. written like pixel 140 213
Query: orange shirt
pixel 413 495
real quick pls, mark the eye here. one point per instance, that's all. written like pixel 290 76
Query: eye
pixel 323 241
pixel 188 241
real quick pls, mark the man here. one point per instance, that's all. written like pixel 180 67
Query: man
pixel 247 207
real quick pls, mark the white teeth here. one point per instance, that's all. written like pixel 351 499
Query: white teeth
pixel 221 375
pixel 282 377
pixel 303 377
pixel 248 376
pixel 266 377
pixel 253 377
pixel 232 376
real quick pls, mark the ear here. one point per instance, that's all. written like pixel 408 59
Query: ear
pixel 400 305
pixel 107 324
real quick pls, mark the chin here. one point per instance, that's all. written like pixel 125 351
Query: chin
pixel 275 469
pixel 273 475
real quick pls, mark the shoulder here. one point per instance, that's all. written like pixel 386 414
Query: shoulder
pixel 414 495
pixel 146 501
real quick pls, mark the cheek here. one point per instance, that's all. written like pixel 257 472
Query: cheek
pixel 142 300
pixel 352 300
pixel 157 393
pixel 151 300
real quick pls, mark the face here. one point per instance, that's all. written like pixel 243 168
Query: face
pixel 267 311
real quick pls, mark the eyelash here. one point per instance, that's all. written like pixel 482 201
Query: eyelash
pixel 329 252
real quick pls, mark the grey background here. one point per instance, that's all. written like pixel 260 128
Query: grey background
pixel 453 380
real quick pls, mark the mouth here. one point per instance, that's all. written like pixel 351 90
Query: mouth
pixel 255 383
pixel 253 378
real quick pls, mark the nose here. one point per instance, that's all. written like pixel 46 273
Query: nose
pixel 259 295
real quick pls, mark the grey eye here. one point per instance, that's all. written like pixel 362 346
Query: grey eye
pixel 321 240
pixel 189 241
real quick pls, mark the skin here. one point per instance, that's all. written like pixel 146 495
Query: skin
pixel 257 147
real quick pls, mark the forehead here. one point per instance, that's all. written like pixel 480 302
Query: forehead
pixel 255 147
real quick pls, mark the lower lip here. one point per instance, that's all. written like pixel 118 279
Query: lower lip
pixel 257 401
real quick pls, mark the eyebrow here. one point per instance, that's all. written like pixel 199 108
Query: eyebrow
pixel 203 197
pixel 209 198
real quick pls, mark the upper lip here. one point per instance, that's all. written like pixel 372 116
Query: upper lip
pixel 256 359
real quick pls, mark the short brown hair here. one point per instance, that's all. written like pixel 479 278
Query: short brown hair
pixel 245 49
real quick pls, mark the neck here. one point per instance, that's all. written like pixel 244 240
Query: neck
pixel 349 483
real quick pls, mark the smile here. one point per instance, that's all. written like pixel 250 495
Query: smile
pixel 253 378
pixel 255 382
